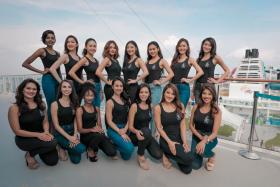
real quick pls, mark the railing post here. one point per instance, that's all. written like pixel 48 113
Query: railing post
pixel 249 153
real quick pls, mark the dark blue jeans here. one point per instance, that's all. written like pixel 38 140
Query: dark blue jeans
pixel 208 153
pixel 49 86
pixel 74 152
pixel 126 148
pixel 184 92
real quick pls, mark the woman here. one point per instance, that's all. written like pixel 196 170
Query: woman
pixel 170 123
pixel 28 120
pixel 69 59
pixel 140 115
pixel 131 65
pixel 181 65
pixel 116 116
pixel 207 60
pixel 48 56
pixel 90 128
pixel 156 66
pixel 63 116
pixel 90 65
pixel 111 65
pixel 204 123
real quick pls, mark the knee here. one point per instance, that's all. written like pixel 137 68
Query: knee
pixel 186 170
pixel 158 154
pixel 52 161
pixel 128 151
pixel 75 159
pixel 111 152
pixel 80 148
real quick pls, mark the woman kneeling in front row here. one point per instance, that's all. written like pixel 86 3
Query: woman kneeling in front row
pixel 170 123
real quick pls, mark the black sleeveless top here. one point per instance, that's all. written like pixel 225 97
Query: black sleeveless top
pixel 181 70
pixel 154 72
pixel 66 115
pixel 203 122
pixel 171 124
pixel 119 113
pixel 32 120
pixel 114 70
pixel 49 60
pixel 142 118
pixel 69 65
pixel 130 70
pixel 90 70
pixel 89 119
pixel 208 67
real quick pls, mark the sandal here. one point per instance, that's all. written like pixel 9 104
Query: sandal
pixel 209 166
pixel 143 163
pixel 30 164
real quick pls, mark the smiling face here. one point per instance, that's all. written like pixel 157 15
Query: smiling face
pixel 89 97
pixel 30 90
pixel 117 87
pixel 50 40
pixel 112 49
pixel 153 50
pixel 130 49
pixel 206 96
pixel 71 44
pixel 182 48
pixel 144 94
pixel 206 47
pixel 66 88
pixel 91 47
pixel 169 95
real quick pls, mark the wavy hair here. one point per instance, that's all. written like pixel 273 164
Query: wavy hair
pixel 21 103
pixel 177 54
pixel 107 50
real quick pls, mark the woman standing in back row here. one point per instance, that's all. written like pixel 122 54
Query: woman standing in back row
pixel 156 66
pixel 181 65
pixel 111 65
pixel 90 65
pixel 207 60
pixel 69 59
pixel 48 56
pixel 132 63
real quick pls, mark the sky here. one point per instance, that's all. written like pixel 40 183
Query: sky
pixel 235 25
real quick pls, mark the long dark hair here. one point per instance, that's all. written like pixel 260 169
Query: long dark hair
pixel 45 34
pixel 87 41
pixel 213 48
pixel 74 101
pixel 176 100
pixel 66 50
pixel 124 94
pixel 127 58
pixel 107 48
pixel 159 50
pixel 214 107
pixel 138 100
pixel 21 103
pixel 177 54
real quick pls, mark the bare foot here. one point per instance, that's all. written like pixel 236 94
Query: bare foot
pixel 166 162
pixel 143 163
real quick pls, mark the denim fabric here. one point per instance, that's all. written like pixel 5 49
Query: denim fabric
pixel 126 148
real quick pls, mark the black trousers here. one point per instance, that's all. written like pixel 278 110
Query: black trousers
pixel 108 91
pixel 46 150
pixel 96 140
pixel 183 159
pixel 131 89
pixel 148 143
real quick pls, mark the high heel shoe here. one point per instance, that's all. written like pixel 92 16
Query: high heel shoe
pixel 92 158
pixel 30 165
